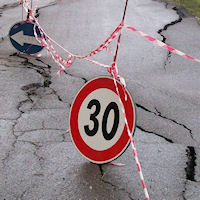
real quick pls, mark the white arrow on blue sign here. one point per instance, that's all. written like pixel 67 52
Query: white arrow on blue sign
pixel 22 37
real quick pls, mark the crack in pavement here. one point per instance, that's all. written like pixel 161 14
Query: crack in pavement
pixel 169 54
pixel 63 135
pixel 101 169
pixel 8 154
pixel 150 132
pixel 3 38
pixel 45 74
pixel 72 75
pixel 8 6
pixel 191 163
pixel 190 168
pixel 172 120
pixel 40 129
pixel 37 14
pixel 21 196
pixel 184 191
pixel 111 184
pixel 160 31
pixel 43 71
pixel 157 113
pixel 35 153
pixel 7 119
pixel 6 158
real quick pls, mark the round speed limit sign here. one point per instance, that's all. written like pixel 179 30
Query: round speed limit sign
pixel 97 122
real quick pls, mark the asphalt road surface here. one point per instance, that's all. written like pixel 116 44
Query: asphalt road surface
pixel 37 158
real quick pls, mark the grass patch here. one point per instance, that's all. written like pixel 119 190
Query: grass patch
pixel 193 6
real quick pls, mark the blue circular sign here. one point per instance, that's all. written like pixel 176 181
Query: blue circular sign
pixel 23 39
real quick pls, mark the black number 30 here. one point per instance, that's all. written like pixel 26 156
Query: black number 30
pixel 111 106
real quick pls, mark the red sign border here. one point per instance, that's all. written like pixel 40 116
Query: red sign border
pixel 120 146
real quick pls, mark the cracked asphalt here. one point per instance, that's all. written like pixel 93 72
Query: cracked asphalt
pixel 37 158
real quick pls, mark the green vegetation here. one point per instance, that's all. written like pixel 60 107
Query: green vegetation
pixel 193 6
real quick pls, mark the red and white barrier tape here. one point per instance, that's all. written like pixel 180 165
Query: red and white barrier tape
pixel 113 70
pixel 117 164
pixel 106 42
pixel 161 44
pixel 132 144
pixel 45 38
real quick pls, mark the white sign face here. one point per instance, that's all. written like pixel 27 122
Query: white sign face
pixel 100 119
